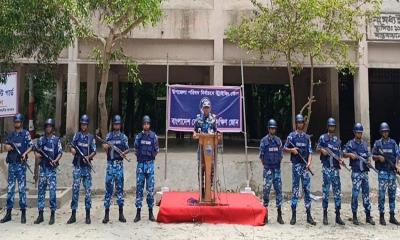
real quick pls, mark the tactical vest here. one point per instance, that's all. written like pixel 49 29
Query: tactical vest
pixel 18 138
pixel 389 150
pixel 117 140
pixel 146 148
pixel 362 150
pixel 205 124
pixel 272 155
pixel 301 141
pixel 83 142
pixel 50 147
pixel 334 144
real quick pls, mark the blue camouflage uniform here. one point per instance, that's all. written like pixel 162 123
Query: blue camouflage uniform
pixel 271 156
pixel 51 145
pixel 359 175
pixel 330 169
pixel 299 171
pixel 146 146
pixel 206 124
pixel 115 168
pixel 16 168
pixel 386 175
pixel 82 171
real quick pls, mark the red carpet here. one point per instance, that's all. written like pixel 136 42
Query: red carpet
pixel 231 208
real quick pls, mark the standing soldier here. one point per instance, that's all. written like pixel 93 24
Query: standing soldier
pixel 271 156
pixel 18 142
pixel 83 148
pixel 48 154
pixel 298 144
pixel 206 122
pixel 359 175
pixel 330 170
pixel 115 168
pixel 146 147
pixel 384 150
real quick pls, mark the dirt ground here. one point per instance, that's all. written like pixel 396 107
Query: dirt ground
pixel 149 230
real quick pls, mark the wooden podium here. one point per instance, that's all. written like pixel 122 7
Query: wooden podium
pixel 207 166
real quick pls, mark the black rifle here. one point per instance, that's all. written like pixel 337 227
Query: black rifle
pixel 302 158
pixel 115 148
pixel 85 159
pixel 333 155
pixel 369 165
pixel 20 155
pixel 51 161
pixel 388 162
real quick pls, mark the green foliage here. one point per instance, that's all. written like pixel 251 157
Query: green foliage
pixel 38 29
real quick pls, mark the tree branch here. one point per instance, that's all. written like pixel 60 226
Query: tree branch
pixel 129 28
pixel 308 103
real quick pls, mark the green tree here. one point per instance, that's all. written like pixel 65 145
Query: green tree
pixel 38 29
pixel 305 32
pixel 109 22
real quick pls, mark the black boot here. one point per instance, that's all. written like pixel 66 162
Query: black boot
pixel 293 220
pixel 369 219
pixel 382 220
pixel 393 220
pixel 106 218
pixel 137 218
pixel 88 220
pixel 355 219
pixel 279 218
pixel 52 217
pixel 325 218
pixel 310 220
pixel 338 218
pixel 72 219
pixel 121 215
pixel 23 216
pixel 7 217
pixel 151 216
pixel 39 219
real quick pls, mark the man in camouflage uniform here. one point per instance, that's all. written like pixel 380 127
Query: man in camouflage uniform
pixel 18 142
pixel 359 174
pixel 271 156
pixel 146 147
pixel 386 149
pixel 330 170
pixel 115 168
pixel 298 144
pixel 86 144
pixel 48 153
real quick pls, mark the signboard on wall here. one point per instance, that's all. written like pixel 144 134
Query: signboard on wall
pixel 9 96
pixel 385 27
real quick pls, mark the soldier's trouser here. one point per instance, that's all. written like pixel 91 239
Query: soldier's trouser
pixel 145 175
pixel 360 181
pixel 300 173
pixel 81 174
pixel 331 177
pixel 47 177
pixel 16 173
pixel 114 176
pixel 272 177
pixel 387 181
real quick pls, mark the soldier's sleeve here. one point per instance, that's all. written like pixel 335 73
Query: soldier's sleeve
pixel 108 137
pixel 156 146
pixel 262 149
pixel 280 147
pixel 9 138
pixel 347 148
pixel 288 139
pixel 28 139
pixel 375 149
pixel 196 124
pixel 396 150
pixel 75 139
pixel 320 142
pixel 309 148
pixel 39 143
pixel 93 145
pixel 60 150
pixel 215 123
pixel 125 141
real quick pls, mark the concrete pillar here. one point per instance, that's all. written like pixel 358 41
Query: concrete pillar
pixel 217 71
pixel 361 90
pixel 115 93
pixel 59 99
pixel 91 98
pixel 72 90
pixel 333 92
